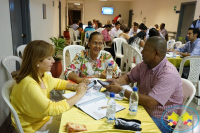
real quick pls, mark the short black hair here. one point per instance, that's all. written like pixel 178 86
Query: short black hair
pixel 89 23
pixel 135 24
pixel 163 24
pixel 195 31
pixel 99 25
pixel 108 25
pixel 117 23
pixel 153 32
pixel 119 15
pixel 145 28
pixel 142 26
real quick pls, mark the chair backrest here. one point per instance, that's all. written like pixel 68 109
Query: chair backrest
pixel 189 91
pixel 170 44
pixel 125 51
pixel 71 33
pixel 177 44
pixel 134 52
pixel 181 46
pixel 194 68
pixel 20 49
pixel 118 42
pixel 9 63
pixel 73 50
pixel 87 34
pixel 6 90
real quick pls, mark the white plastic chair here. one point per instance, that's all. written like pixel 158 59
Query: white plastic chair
pixel 6 90
pixel 87 33
pixel 118 50
pixel 133 53
pixel 177 44
pixel 194 72
pixel 189 91
pixel 73 36
pixel 181 46
pixel 126 54
pixel 20 49
pixel 9 63
pixel 73 50
pixel 170 44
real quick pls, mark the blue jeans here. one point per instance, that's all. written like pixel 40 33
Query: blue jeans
pixel 160 125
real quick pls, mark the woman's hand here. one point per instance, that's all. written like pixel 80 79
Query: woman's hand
pixel 81 89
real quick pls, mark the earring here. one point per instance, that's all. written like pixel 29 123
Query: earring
pixel 38 65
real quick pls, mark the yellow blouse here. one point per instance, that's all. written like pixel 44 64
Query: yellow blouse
pixel 33 104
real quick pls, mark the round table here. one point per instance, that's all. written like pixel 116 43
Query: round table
pixel 177 61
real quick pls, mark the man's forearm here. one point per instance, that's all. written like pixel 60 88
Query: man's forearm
pixel 123 80
pixel 185 54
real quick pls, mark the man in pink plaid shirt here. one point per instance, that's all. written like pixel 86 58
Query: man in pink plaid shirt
pixel 160 83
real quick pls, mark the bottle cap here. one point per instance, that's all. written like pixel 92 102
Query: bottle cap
pixel 110 64
pixel 134 88
pixel 112 94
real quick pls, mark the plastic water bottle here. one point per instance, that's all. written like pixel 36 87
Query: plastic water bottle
pixel 111 109
pixel 133 102
pixel 174 52
pixel 109 71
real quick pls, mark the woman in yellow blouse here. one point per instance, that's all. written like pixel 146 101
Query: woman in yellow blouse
pixel 30 96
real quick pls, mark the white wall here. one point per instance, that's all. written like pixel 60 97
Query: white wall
pixel 45 28
pixel 160 11
pixel 5 50
pixel 40 28
pixel 92 10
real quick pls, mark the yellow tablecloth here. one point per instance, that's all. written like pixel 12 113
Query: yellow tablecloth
pixel 177 61
pixel 75 115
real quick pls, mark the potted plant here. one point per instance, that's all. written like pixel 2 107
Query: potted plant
pixel 66 32
pixel 59 45
pixel 182 39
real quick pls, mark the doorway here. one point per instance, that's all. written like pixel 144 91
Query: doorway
pixel 20 23
pixel 74 15
pixel 185 18
pixel 130 18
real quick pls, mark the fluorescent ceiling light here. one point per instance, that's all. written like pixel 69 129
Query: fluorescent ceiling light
pixel 102 0
pixel 76 3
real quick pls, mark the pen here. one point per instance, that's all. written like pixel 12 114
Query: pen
pixel 102 107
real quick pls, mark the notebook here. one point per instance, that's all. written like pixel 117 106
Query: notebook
pixel 91 103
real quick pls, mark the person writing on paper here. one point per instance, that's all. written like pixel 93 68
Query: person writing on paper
pixel 30 96
pixel 91 62
pixel 160 83
pixel 192 47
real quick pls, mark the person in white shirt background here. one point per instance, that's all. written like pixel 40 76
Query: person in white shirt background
pixel 133 31
pixel 115 29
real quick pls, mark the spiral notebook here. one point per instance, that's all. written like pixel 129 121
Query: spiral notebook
pixel 92 102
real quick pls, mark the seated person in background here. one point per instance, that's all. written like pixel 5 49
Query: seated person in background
pixel 192 47
pixel 94 23
pixel 89 28
pixel 75 25
pixel 106 35
pixel 138 39
pixel 160 83
pixel 156 26
pixel 113 23
pixel 119 31
pixel 125 34
pixel 99 27
pixel 153 32
pixel 163 31
pixel 108 22
pixel 133 31
pixel 115 29
pixel 30 96
pixel 91 62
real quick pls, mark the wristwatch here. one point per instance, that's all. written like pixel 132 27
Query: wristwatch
pixel 122 92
